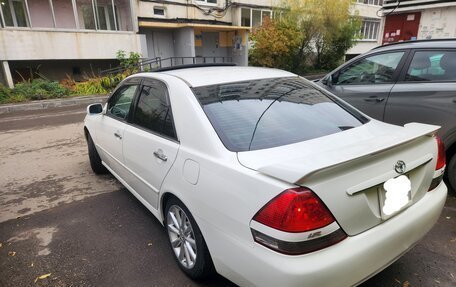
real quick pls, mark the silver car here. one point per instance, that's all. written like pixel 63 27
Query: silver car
pixel 404 82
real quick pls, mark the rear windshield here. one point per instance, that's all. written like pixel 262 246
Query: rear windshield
pixel 268 113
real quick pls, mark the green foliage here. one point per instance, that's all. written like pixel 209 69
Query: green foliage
pixel 37 89
pixel 306 35
pixel 98 85
pixel 130 62
pixel 275 43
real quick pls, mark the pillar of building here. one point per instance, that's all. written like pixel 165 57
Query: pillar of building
pixel 8 78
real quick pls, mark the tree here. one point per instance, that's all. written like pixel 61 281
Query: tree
pixel 322 32
pixel 275 43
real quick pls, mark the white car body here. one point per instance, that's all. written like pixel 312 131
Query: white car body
pixel 224 190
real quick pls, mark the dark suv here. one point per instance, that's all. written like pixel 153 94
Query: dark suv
pixel 404 82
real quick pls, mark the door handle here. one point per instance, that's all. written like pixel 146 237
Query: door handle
pixel 117 135
pixel 377 100
pixel 159 154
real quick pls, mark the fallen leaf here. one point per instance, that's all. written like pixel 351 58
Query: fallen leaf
pixel 451 274
pixel 453 240
pixel 437 281
pixel 448 217
pixel 149 244
pixel 31 265
pixel 397 280
pixel 12 253
pixel 406 284
pixel 44 276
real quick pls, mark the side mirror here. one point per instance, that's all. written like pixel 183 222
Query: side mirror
pixel 94 109
pixel 327 81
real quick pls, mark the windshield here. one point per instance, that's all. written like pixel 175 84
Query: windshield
pixel 268 113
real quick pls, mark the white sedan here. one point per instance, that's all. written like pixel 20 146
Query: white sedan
pixel 265 178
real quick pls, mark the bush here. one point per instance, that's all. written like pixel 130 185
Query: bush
pixel 40 89
pixel 5 94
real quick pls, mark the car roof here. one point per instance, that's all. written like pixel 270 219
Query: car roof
pixel 418 44
pixel 213 75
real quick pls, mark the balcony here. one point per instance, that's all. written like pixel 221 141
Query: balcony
pixel 66 29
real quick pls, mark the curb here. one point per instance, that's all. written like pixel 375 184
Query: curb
pixel 54 103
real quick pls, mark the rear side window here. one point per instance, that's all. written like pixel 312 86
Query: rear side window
pixel 427 66
pixel 153 111
pixel 268 113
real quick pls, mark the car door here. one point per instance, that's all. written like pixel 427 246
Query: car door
pixel 150 141
pixel 112 124
pixel 367 82
pixel 426 91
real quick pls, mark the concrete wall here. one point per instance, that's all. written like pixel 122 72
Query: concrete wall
pixel 437 23
pixel 39 45
pixel 184 42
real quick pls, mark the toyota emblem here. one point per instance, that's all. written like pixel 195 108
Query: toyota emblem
pixel 400 167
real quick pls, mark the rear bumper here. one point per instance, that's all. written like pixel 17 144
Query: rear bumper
pixel 347 263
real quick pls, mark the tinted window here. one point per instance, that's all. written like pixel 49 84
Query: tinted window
pixel 370 70
pixel 120 102
pixel 271 112
pixel 432 66
pixel 153 111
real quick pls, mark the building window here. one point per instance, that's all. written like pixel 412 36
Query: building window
pixel 114 15
pixel 207 1
pixel 254 17
pixel 371 2
pixel 159 11
pixel 14 13
pixel 369 30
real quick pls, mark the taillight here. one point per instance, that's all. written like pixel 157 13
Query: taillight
pixel 295 210
pixel 441 158
pixel 440 166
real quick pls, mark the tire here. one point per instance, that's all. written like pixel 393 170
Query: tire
pixel 451 172
pixel 180 241
pixel 95 160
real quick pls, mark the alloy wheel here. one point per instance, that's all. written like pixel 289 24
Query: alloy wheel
pixel 181 236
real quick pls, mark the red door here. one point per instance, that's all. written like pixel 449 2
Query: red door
pixel 401 27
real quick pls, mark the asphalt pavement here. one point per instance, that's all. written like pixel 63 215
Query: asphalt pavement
pixel 61 225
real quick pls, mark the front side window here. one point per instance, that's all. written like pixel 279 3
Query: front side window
pixel 376 69
pixel 429 66
pixel 153 111
pixel 267 113
pixel 119 104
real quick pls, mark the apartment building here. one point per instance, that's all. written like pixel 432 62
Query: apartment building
pixel 211 30
pixel 56 38
pixel 60 38
pixel 370 34
pixel 418 19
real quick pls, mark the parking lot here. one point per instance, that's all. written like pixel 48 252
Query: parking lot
pixel 58 218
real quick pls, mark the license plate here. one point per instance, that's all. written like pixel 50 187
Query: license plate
pixel 397 194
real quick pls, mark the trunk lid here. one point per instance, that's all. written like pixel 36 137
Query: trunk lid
pixel 347 170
